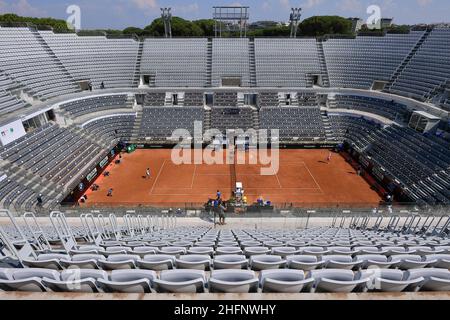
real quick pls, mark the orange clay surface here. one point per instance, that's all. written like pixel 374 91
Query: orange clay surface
pixel 304 179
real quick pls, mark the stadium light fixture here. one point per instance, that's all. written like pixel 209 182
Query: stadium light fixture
pixel 166 15
pixel 295 20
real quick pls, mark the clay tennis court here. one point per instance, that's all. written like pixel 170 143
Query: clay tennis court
pixel 304 179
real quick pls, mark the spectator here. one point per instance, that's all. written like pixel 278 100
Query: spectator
pixel 39 200
pixel 222 208
pixel 359 171
pixel 260 201
pixel 102 85
pixel 219 195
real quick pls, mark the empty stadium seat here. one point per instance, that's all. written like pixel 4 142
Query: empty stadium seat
pixel 284 281
pixel 264 262
pixel 198 262
pixel 76 280
pixel 233 281
pixel 181 281
pixel 335 280
pixel 157 262
pixel 128 281
pixel 29 280
pixel 230 262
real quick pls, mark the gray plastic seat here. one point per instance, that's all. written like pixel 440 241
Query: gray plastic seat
pixel 201 250
pixel 233 281
pixel 110 251
pixel 285 251
pixel 29 280
pixel 204 244
pixel 159 244
pixel 250 243
pixel 442 249
pixel 231 261
pixel 118 262
pixel 434 279
pixel 422 250
pixel 373 260
pixel 340 262
pixel 273 244
pixel 128 281
pixel 284 281
pixel 335 280
pixel 143 251
pixel 9 262
pixel 256 251
pixel 408 261
pixel 173 251
pixel 341 251
pixel 439 260
pixel 314 251
pixel 368 250
pixel 180 281
pixel 84 251
pixel 304 262
pixel 111 243
pixel 76 280
pixel 227 244
pixel 82 261
pixel 296 244
pixel 228 250
pixel 182 244
pixel 135 244
pixel 6 273
pixel 46 261
pixel 157 262
pixel 197 262
pixel 386 280
pixel 265 262
pixel 392 250
pixel 88 249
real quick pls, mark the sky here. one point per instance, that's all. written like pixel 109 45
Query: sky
pixel 119 14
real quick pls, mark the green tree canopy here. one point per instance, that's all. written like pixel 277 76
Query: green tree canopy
pixel 13 19
pixel 207 26
pixel 321 25
pixel 180 28
pixel 312 27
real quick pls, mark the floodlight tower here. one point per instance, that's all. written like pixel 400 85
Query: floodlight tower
pixel 166 16
pixel 295 20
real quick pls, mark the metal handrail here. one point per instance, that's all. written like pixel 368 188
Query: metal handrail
pixel 378 222
pixel 115 227
pixel 39 236
pixel 427 225
pixel 393 223
pixel 63 230
pixel 93 233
